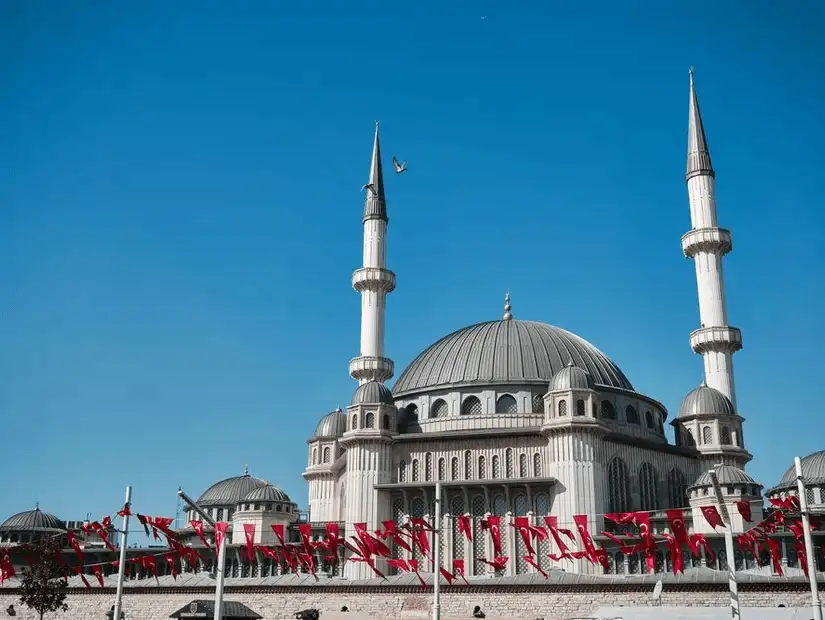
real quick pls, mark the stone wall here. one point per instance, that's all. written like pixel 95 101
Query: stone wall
pixel 386 603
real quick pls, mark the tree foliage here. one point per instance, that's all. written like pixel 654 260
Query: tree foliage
pixel 43 584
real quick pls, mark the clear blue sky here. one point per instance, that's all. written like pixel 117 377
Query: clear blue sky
pixel 180 216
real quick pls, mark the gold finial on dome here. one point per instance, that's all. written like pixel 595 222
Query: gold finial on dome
pixel 507 307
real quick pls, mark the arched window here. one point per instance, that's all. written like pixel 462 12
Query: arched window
pixel 428 466
pixel 354 422
pixel 676 489
pixel 508 463
pixel 648 487
pixel 402 471
pixel 439 409
pixel 506 404
pixel 689 439
pixel 537 465
pixel 538 403
pixel 370 420
pixel 315 456
pixel 454 468
pixel 415 470
pixel 707 436
pixel 618 486
pixel 482 468
pixel 562 407
pixel 725 436
pixel 660 424
pixel 542 504
pixel 495 468
pixel 386 422
pixel 608 411
pixel 631 415
pixel 649 419
pixel 522 465
pixel 471 406
pixel 442 469
pixel 468 465
pixel 457 508
pixel 326 455
pixel 580 409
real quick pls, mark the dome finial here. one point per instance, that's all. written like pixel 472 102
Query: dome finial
pixel 246 470
pixel 37 505
pixel 507 316
pixel 570 362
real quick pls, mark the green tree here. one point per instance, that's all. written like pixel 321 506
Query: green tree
pixel 44 587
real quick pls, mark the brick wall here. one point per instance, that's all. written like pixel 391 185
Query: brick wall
pixel 513 603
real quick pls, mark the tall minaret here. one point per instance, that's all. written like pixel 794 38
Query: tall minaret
pixel 706 244
pixel 373 280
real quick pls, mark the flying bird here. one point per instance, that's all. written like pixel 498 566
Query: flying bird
pixel 370 187
pixel 399 168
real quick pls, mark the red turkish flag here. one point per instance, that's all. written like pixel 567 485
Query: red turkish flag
pixel 249 533
pixel 712 516
pixel 220 532
pixel 464 526
pixel 458 570
pixel 494 525
pixel 198 527
pixel 532 562
pixel 278 528
pixel 744 509
pixel 170 558
pixel 98 573
pixel 553 526
pixel 522 524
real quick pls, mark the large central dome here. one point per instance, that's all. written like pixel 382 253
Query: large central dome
pixel 508 352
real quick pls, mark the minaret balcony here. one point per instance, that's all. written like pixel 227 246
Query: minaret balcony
pixel 370 368
pixel 373 278
pixel 716 339
pixel 712 240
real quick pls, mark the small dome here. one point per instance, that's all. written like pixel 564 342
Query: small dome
pixel 372 393
pixel 725 474
pixel 230 491
pixel 706 400
pixel 571 377
pixel 813 471
pixel 267 493
pixel 332 425
pixel 33 521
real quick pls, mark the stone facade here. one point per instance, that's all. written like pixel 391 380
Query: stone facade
pixel 516 602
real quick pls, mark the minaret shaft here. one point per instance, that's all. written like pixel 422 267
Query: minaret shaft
pixel 707 244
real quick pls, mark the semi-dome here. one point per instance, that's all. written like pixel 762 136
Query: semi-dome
pixel 813 472
pixel 706 400
pixel 571 377
pixel 372 393
pixel 725 474
pixel 230 491
pixel 332 425
pixel 33 521
pixel 266 493
pixel 506 352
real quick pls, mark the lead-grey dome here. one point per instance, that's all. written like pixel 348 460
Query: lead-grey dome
pixel 331 425
pixel 706 400
pixel 230 491
pixel 33 521
pixel 813 472
pixel 571 377
pixel 725 474
pixel 267 493
pixel 372 393
pixel 506 352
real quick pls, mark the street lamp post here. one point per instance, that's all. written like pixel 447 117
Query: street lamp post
pixel 725 514
pixel 221 551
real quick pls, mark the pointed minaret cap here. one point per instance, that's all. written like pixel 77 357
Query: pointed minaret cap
pixel 376 205
pixel 507 307
pixel 698 156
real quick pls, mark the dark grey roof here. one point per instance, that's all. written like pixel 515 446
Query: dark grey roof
pixel 725 474
pixel 376 204
pixel 698 158
pixel 706 400
pixel 231 610
pixel 507 351
pixel 813 471
pixel 33 521
pixel 332 425
pixel 372 393
pixel 267 493
pixel 571 378
pixel 230 491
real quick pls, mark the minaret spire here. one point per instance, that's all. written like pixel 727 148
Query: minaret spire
pixel 374 281
pixel 707 244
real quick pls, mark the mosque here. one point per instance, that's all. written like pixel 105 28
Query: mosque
pixel 513 417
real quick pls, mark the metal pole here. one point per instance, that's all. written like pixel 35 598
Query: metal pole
pixel 816 605
pixel 723 511
pixel 121 566
pixel 437 555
